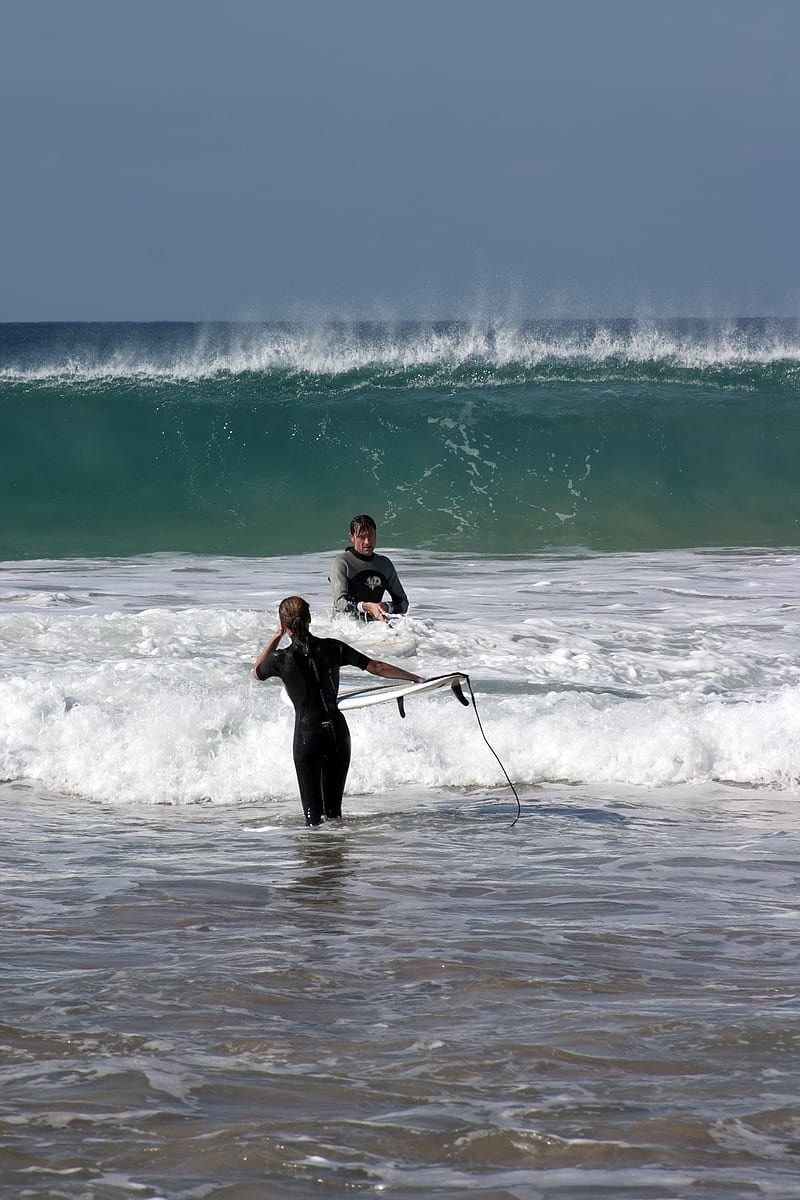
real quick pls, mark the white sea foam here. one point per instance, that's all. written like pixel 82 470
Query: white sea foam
pixel 129 680
pixel 337 348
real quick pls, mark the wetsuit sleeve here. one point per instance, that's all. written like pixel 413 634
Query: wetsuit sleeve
pixel 339 586
pixel 270 666
pixel 350 657
pixel 395 589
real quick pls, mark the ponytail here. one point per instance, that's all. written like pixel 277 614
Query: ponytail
pixel 295 617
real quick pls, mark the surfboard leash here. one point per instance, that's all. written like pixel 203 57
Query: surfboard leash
pixel 494 752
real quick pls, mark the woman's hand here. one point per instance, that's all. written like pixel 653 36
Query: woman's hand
pixel 271 645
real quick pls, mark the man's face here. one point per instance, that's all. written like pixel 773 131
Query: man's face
pixel 363 540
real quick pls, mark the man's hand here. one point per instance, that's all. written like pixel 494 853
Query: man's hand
pixel 377 611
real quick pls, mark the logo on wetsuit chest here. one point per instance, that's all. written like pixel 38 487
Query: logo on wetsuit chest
pixel 373 582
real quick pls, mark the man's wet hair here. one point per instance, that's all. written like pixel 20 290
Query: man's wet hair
pixel 362 522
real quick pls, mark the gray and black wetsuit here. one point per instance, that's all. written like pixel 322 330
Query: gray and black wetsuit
pixel 321 746
pixel 356 577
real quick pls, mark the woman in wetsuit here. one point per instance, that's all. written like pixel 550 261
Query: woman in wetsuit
pixel 309 669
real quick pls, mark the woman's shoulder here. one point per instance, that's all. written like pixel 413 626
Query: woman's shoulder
pixel 343 653
pixel 325 643
pixel 332 647
pixel 272 664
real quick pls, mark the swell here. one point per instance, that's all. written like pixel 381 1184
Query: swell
pixel 267 464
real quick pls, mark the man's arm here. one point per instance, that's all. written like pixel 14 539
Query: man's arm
pixel 395 589
pixel 339 585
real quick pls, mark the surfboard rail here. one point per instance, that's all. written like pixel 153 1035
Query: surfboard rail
pixel 380 693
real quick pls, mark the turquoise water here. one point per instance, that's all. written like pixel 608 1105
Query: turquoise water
pixel 204 1000
pixel 265 439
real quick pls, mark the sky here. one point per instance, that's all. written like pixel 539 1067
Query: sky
pixel 249 159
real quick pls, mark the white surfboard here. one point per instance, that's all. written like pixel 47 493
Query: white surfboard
pixel 386 640
pixel 361 697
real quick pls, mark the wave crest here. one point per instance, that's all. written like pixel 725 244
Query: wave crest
pixel 462 352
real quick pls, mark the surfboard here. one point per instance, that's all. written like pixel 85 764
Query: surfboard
pixel 362 697
pixel 377 639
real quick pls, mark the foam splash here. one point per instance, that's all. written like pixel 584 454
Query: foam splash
pixel 650 671
pixel 85 353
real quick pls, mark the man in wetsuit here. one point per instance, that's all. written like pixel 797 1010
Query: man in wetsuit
pixel 309 668
pixel 359 577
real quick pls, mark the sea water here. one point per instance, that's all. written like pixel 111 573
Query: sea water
pixel 551 948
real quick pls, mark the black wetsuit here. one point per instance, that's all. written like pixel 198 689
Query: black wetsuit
pixel 321 746
pixel 356 577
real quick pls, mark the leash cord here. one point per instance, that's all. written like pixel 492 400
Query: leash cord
pixel 494 752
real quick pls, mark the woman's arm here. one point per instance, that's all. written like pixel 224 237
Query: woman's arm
pixel 387 671
pixel 272 645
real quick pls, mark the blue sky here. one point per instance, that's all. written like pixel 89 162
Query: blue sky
pixel 197 160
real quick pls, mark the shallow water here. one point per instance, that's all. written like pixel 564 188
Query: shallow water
pixel 203 1000
pixel 599 1001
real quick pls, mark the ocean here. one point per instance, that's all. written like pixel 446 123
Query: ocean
pixel 551 950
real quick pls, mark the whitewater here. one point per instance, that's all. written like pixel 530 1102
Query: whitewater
pixel 129 681
pixel 598 523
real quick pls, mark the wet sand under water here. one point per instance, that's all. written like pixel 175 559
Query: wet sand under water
pixel 214 1002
